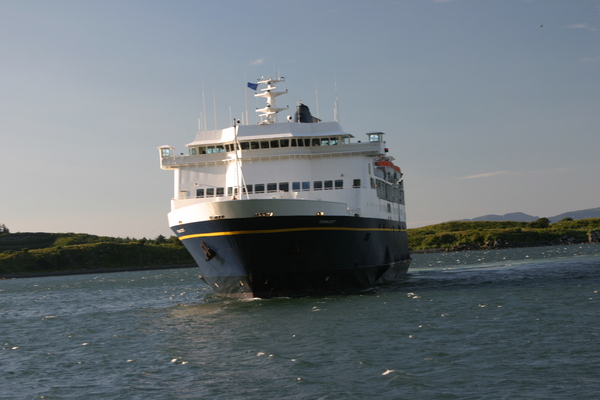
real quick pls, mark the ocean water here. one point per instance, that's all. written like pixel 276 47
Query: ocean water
pixel 502 324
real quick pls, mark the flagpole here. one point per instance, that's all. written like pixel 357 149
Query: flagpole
pixel 336 111
pixel 253 86
pixel 215 106
pixel 246 98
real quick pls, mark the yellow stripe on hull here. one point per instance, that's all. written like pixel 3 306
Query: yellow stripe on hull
pixel 250 232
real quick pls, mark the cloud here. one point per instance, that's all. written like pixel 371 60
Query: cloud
pixel 590 59
pixel 497 173
pixel 582 25
pixel 577 26
pixel 486 175
pixel 260 61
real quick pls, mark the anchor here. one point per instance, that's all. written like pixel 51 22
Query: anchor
pixel 210 253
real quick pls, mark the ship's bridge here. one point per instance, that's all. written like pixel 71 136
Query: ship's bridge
pixel 283 140
pixel 270 131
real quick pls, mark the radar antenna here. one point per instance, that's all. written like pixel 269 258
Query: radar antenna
pixel 269 113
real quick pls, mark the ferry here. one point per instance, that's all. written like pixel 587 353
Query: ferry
pixel 289 208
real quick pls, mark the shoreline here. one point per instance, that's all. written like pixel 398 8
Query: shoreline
pixel 159 267
pixel 94 271
pixel 474 248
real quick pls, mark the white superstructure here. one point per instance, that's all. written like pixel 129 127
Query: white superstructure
pixel 283 168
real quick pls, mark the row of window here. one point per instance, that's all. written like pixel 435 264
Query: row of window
pixel 384 190
pixel 270 144
pixel 276 187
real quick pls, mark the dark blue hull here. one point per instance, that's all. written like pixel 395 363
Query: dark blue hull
pixel 288 256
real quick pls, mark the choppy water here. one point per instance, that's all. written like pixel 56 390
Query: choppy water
pixel 504 324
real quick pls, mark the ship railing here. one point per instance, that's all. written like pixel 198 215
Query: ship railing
pixel 275 194
pixel 175 161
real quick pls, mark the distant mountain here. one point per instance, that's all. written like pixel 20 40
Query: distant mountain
pixel 522 217
pixel 581 214
pixel 518 216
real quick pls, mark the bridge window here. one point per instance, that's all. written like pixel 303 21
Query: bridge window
pixel 259 188
pixel 220 192
pixel 303 142
pixel 274 144
pixel 264 144
pixel 254 145
pixel 339 183
pixel 328 185
pixel 295 186
pixel 284 142
pixel 200 193
pixel 318 185
pixel 305 186
pixel 166 152
pixel 356 183
pixel 271 187
pixel 284 186
pixel 210 192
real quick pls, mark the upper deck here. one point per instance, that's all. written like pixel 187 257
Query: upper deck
pixel 268 131
pixel 301 159
pixel 272 141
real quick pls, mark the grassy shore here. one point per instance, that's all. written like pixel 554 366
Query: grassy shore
pixel 467 235
pixel 42 253
pixel 24 254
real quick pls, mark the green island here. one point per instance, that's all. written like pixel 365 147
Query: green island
pixel 55 253
pixel 480 235
pixel 27 254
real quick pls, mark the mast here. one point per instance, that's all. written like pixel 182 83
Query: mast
pixel 269 113
pixel 336 115
pixel 240 182
pixel 268 116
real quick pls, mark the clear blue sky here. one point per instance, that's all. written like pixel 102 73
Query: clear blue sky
pixel 484 110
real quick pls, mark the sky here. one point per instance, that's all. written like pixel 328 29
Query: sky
pixel 489 107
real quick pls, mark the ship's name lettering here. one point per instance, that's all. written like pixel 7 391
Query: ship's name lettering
pixel 180 230
pixel 327 221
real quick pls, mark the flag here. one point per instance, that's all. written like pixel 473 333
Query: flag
pixel 253 86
